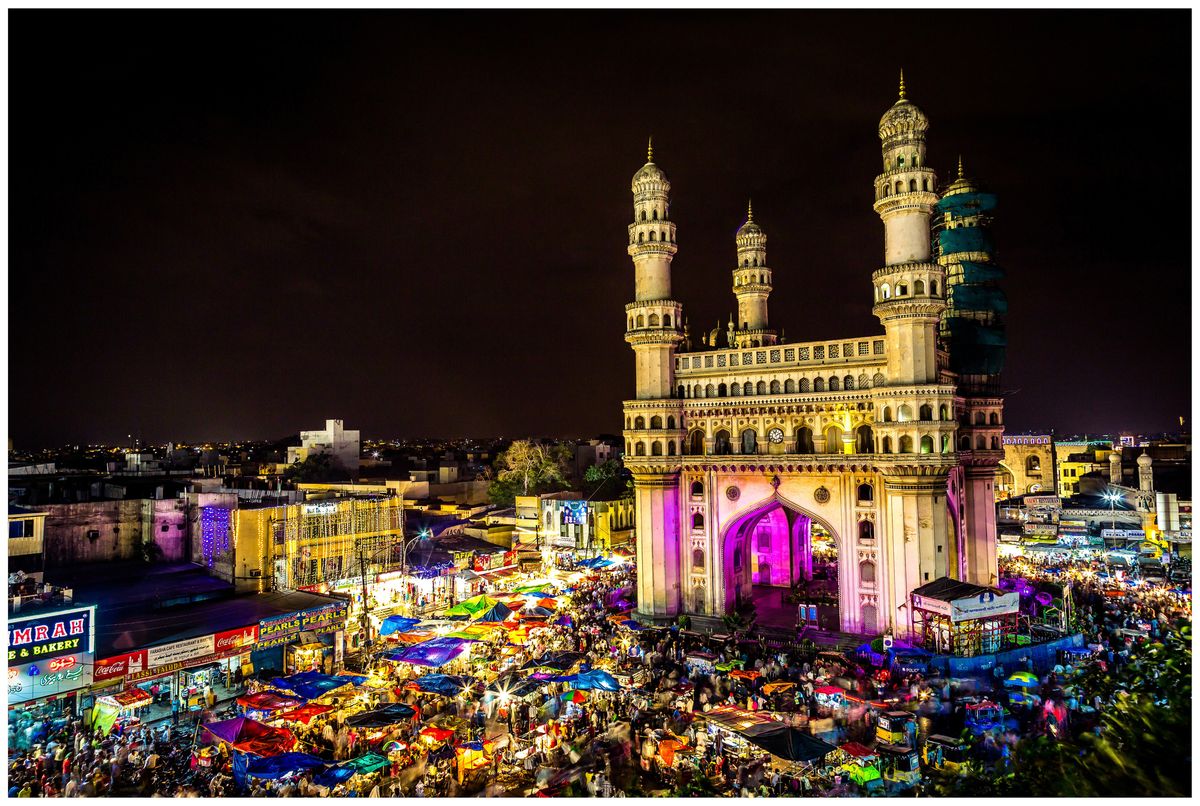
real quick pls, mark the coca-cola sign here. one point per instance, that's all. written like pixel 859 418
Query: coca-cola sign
pixel 236 639
pixel 120 665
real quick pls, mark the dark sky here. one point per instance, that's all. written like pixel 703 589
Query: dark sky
pixel 237 224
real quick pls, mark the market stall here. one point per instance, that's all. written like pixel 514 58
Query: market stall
pixel 116 708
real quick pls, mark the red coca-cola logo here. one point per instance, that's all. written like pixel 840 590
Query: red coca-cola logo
pixel 233 639
pixel 111 668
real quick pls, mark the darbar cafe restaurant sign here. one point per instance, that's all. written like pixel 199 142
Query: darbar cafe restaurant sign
pixel 158 660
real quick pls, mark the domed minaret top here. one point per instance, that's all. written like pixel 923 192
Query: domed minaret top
pixel 904 120
pixel 961 184
pixel 650 179
pixel 751 285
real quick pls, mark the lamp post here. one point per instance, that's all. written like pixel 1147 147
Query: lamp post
pixel 1112 499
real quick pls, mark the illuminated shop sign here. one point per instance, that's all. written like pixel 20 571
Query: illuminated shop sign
pixel 45 678
pixel 47 636
pixel 281 629
pixel 575 512
pixel 320 509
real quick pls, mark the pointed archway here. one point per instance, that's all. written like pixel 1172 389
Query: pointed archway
pixel 784 559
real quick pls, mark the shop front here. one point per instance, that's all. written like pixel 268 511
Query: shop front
pixel 308 640
pixel 50 659
pixel 964 620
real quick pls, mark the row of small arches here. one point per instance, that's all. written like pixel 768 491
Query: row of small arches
pixel 656 422
pixel 653 215
pixel 899 187
pixel 776 387
pixel 662 236
pixel 753 262
pixel 802 442
pixel 640 321
pixel 885 289
pixel 865 491
pixel 904 413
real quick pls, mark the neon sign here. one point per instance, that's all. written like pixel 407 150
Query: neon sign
pixel 48 636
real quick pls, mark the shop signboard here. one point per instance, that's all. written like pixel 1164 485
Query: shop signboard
pixel 282 629
pixel 230 640
pixel 178 651
pixel 280 640
pixel 1039 528
pixel 120 665
pixel 48 635
pixel 931 605
pixel 1043 501
pixel 1140 534
pixel 49 677
pixel 985 605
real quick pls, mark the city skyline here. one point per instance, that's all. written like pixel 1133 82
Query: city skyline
pixel 315 227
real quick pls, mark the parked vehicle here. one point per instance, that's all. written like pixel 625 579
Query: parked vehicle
pixel 944 753
pixel 898 766
pixel 893 727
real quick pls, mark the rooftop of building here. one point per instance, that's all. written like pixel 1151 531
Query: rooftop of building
pixel 946 589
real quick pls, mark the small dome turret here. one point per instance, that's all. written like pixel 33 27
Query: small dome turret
pixel 903 119
pixel 648 174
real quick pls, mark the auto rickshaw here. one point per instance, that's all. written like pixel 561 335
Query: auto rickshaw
pixel 892 727
pixel 985 716
pixel 944 753
pixel 898 765
pixel 862 766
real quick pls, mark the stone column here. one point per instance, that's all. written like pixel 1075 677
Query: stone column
pixel 914 524
pixel 979 507
pixel 659 536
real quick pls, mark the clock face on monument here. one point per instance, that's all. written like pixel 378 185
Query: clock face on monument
pixel 775 435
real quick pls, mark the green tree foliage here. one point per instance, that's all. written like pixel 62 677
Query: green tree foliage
pixel 527 468
pixel 316 467
pixel 604 480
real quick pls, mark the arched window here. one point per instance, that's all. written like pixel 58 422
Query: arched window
pixel 945 443
pixel 643 215
pixel 899 187
pixel 697 520
pixel 886 445
pixel 924 184
pixel 993 419
pixel 789 386
pixel 870 619
pixel 942 412
pixel 749 441
pixel 819 385
pixel 980 442
pixel 653 320
pixel 804 440
pixel 912 185
pixel 887 190
pixel 964 443
pixel 866 531
pixel 698 559
pixel 933 287
pixel 696 443
pixel 652 234
pixel 866 492
pixel 710 391
pixel 919 287
pixel 915 162
pixel 848 382
pixel 906 444
pixel 697 489
pixel 995 443
pixel 666 320
pixel 747 389
pixel 656 448
pixel 654 215
pixel 926 444
pixel 721 444
pixel 1033 464
pixel 735 390
pixel 662 236
pixel 640 449
pixel 639 423
pixel 866 569
pixel 926 412
pixel 670 421
pixel 904 415
pixel 682 392
pixel 887 414
pixel 722 390
pixel 863 383
pixel 641 321
pixel 833 439
pixel 641 237
pixel 902 290
pixel 760 388
pixel 656 422
pixel 900 162
pixel 775 388
pixel 670 447
pixel 697 391
pixel 878 380
pixel 805 385
pixel 864 439
pixel 885 291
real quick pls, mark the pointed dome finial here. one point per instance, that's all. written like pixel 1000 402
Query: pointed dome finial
pixel 903 94
pixel 960 168
pixel 750 210
pixel 650 149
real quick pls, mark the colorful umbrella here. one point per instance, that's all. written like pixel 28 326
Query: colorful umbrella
pixel 575 695
pixel 435 653
pixel 1023 680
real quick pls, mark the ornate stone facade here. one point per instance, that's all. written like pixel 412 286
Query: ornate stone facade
pixel 741 453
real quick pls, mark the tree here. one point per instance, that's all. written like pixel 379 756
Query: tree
pixel 605 478
pixel 527 468
pixel 316 467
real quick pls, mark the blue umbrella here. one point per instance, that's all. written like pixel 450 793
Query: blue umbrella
pixel 396 624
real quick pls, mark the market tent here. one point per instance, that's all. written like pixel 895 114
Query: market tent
pixel 304 713
pixel 497 613
pixel 283 764
pixel 595 680
pixel 474 606
pixel 267 701
pixel 233 730
pixel 391 714
pixel 334 776
pixel 394 624
pixel 536 612
pixel 280 740
pixel 448 685
pixel 1023 680
pixel 574 695
pixel 668 748
pixel 746 674
pixel 436 734
pixel 736 663
pixel 414 636
pixel 771 688
pixel 311 685
pixel 559 661
pixel 512 686
pixel 536 587
pixel 792 744
pixel 368 763
pixel 434 653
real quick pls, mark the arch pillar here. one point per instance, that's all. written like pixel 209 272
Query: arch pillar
pixel 659 534
pixel 914 509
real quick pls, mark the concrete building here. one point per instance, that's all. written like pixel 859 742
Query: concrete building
pixel 341 445
pixel 752 456
pixel 579 528
pixel 1029 466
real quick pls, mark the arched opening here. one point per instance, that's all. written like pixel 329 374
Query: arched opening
pixel 722 390
pixel 697 489
pixel 919 287
pixel 848 382
pixel 652 234
pixel 656 448
pixel 933 287
pixel 864 440
pixel 926 412
pixel 735 390
pixel 789 386
pixel 834 384
pixel 995 443
pixel 886 445
pixel 697 391
pixel 866 493
pixel 670 421
pixel 640 449
pixel 804 440
pixel 980 442
pixel 681 392
pixel 945 443
pixel 696 443
pixel 899 162
pixel 747 389
pixel 666 320
pixel 721 445
pixel 760 388
pixel 784 562
pixel 1033 465
pixel 641 237
pixel 942 412
pixel 656 422
pixel 833 439
pixel 749 441
pixel 775 387
pixel 698 559
pixel 710 391
pixel 697 520
pixel 639 423
pixel 866 569
pixel 906 444
pixel 979 418
pixel 993 418
pixel 887 414
pixel 653 320
pixel 819 385
pixel 878 380
pixel 902 290
pixel 926 444
pixel 904 413
pixel 964 443
pixel 670 447
pixel 641 321
pixel 805 385
pixel 643 215
pixel 870 620
pixel 912 185
pixel 654 215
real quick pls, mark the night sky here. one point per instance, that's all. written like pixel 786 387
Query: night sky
pixel 234 225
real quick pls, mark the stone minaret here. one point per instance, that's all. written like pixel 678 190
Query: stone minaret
pixel 751 286
pixel 915 412
pixel 654 420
